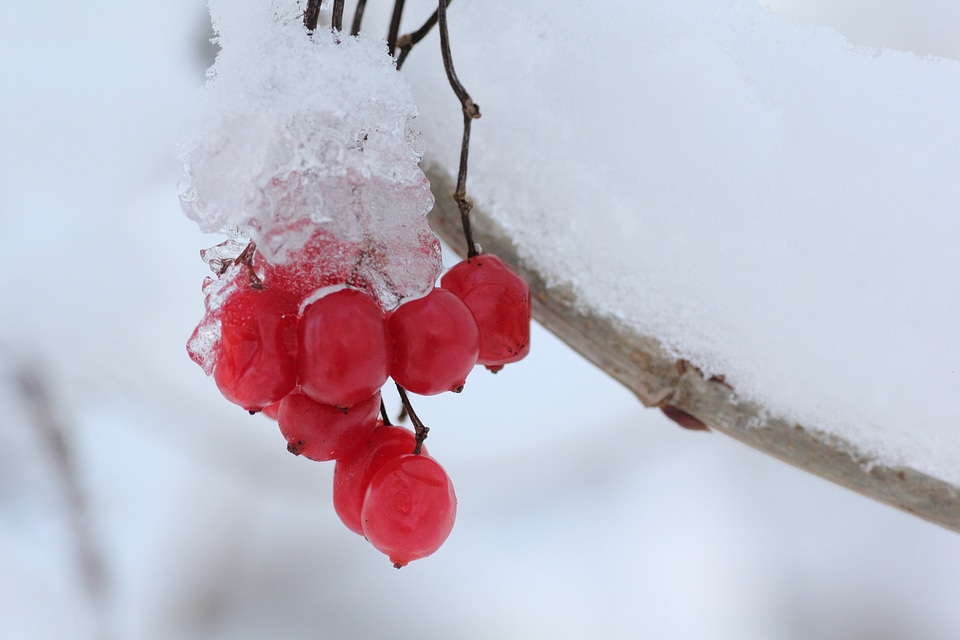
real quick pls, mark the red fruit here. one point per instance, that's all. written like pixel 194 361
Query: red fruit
pixel 499 300
pixel 354 471
pixel 409 508
pixel 323 261
pixel 436 342
pixel 256 365
pixel 272 410
pixel 322 432
pixel 345 351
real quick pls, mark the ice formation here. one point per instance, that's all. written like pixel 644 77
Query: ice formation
pixel 307 140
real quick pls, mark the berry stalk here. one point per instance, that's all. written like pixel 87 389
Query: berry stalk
pixel 419 428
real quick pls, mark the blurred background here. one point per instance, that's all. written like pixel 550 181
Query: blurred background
pixel 136 503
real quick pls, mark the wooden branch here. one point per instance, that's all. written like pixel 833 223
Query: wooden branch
pixel 642 365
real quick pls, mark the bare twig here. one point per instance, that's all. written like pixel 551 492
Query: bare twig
pixel 394 26
pixel 383 414
pixel 358 17
pixel 336 19
pixel 312 15
pixel 418 426
pixel 471 110
pixel 643 365
pixel 407 41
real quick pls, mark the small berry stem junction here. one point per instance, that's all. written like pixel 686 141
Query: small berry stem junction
pixel 420 429
pixel 407 41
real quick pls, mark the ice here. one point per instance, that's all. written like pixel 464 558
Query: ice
pixel 221 256
pixel 305 136
pixel 203 343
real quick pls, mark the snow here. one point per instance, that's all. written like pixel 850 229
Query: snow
pixel 580 513
pixel 772 203
pixel 281 156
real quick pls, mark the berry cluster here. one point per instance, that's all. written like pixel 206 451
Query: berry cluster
pixel 314 352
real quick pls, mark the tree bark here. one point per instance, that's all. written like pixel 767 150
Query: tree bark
pixel 642 365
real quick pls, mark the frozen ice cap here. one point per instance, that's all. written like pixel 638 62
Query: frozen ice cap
pixel 303 133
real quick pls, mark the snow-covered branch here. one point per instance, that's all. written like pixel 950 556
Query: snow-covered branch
pixel 645 367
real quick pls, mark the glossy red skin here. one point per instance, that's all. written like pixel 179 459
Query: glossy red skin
pixel 272 410
pixel 345 352
pixel 499 300
pixel 354 471
pixel 436 342
pixel 256 365
pixel 323 432
pixel 409 508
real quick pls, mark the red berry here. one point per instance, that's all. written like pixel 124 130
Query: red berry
pixel 409 508
pixel 354 470
pixel 256 365
pixel 345 351
pixel 436 342
pixel 323 261
pixel 499 300
pixel 323 432
pixel 272 410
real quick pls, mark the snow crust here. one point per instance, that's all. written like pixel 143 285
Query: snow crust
pixel 310 133
pixel 771 202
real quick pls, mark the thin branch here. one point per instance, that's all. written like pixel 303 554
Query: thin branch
pixel 336 20
pixel 407 41
pixel 418 426
pixel 312 15
pixel 394 26
pixel 644 366
pixel 384 415
pixel 358 17
pixel 455 84
pixel 471 111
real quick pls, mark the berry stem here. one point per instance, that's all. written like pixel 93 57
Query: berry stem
pixel 336 20
pixel 384 415
pixel 246 258
pixel 471 110
pixel 419 428
pixel 312 15
pixel 406 42
pixel 394 26
pixel 358 17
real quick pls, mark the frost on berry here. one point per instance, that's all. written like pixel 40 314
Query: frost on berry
pixel 323 261
pixel 204 344
pixel 280 158
pixel 256 364
pixel 220 257
pixel 409 508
